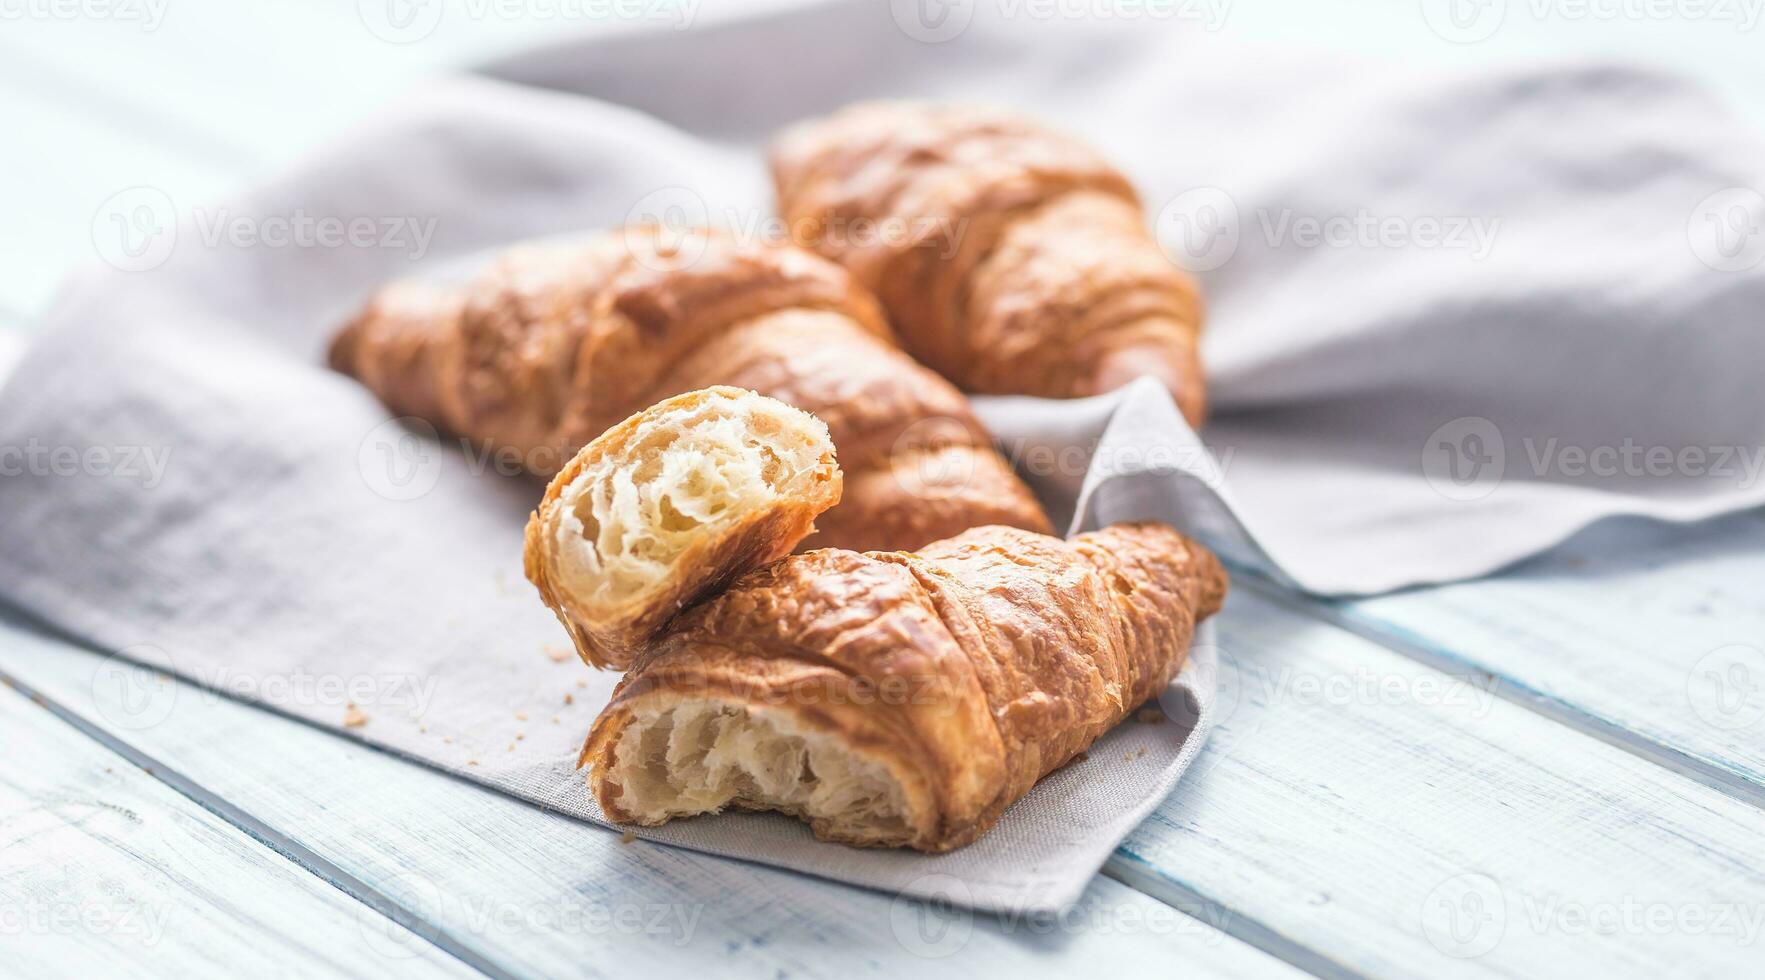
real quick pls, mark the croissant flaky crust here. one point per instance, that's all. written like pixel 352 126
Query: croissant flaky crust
pixel 901 699
pixel 1013 259
pixel 668 507
pixel 555 343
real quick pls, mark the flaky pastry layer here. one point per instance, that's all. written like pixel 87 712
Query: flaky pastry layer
pixel 671 505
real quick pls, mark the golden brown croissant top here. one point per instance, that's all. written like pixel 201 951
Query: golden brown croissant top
pixel 555 343
pixel 901 699
pixel 1013 259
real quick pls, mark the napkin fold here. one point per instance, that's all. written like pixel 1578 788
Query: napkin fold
pixel 1453 321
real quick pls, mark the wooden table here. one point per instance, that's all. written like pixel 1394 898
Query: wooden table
pixel 1556 771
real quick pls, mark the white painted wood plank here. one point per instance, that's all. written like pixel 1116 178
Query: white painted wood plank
pixel 105 872
pixel 538 893
pixel 1651 634
pixel 1359 804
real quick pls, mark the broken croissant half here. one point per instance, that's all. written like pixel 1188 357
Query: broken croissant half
pixel 670 506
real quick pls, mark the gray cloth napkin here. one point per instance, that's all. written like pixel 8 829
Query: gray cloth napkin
pixel 1453 320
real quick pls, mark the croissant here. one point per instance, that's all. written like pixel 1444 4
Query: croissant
pixel 1012 259
pixel 668 507
pixel 901 699
pixel 555 343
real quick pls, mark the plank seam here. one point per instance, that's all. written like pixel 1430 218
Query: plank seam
pixel 1541 703
pixel 1232 922
pixel 1131 870
pixel 295 852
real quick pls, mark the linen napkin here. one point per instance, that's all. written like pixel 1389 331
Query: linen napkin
pixel 1453 320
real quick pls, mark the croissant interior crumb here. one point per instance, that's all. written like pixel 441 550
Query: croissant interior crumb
pixel 628 517
pixel 702 756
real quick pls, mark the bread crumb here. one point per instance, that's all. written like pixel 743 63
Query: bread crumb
pixel 449 739
pixel 471 762
pixel 581 683
pixel 1139 751
pixel 569 698
pixel 520 716
pixel 511 746
pixel 554 719
pixel 627 837
pixel 353 717
pixel 557 653
pixel 1149 716
pixel 520 735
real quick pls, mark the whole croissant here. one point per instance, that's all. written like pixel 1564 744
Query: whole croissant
pixel 1012 259
pixel 901 699
pixel 556 343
